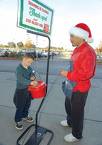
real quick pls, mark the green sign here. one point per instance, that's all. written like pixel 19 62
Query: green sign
pixel 35 16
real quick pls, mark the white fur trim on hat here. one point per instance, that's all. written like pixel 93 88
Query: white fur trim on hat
pixel 90 40
pixel 80 33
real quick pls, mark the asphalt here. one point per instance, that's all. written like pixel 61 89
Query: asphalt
pixel 52 111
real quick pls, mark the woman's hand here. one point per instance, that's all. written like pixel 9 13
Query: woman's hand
pixel 63 73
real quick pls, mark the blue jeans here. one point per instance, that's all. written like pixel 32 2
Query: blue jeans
pixel 22 100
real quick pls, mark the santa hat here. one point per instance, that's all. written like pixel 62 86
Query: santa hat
pixel 83 31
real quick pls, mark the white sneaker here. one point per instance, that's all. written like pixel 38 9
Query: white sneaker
pixel 19 126
pixel 28 119
pixel 64 123
pixel 70 138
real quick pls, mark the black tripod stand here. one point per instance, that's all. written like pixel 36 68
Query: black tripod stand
pixel 39 133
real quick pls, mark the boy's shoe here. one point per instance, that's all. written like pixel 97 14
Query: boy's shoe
pixel 70 138
pixel 65 124
pixel 19 126
pixel 28 119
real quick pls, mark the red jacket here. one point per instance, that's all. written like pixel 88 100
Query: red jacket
pixel 84 64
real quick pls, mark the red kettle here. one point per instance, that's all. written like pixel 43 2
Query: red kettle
pixel 39 91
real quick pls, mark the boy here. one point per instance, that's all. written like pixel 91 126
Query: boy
pixel 22 98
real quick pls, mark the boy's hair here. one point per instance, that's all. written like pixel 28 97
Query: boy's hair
pixel 28 55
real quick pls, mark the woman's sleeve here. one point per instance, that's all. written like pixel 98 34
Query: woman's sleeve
pixel 84 71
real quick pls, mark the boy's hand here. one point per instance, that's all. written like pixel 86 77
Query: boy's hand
pixel 34 83
pixel 32 78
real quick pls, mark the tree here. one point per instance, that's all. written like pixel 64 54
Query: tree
pixel 20 44
pixel 11 44
pixel 28 43
pixel 33 46
pixel 99 48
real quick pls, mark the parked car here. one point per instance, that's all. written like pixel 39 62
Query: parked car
pixel 44 54
pixel 32 53
pixel 99 57
pixel 2 52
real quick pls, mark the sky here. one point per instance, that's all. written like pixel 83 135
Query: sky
pixel 67 13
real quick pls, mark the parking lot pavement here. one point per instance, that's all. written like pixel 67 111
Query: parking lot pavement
pixel 52 111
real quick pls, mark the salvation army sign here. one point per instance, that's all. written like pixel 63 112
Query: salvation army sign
pixel 35 16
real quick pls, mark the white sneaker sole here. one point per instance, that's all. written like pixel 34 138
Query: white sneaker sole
pixel 27 121
pixel 66 139
pixel 18 128
pixel 64 125
pixel 71 141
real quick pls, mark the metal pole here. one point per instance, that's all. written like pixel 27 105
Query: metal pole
pixel 48 58
pixel 47 73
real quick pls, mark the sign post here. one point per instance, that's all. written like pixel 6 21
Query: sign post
pixel 36 18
